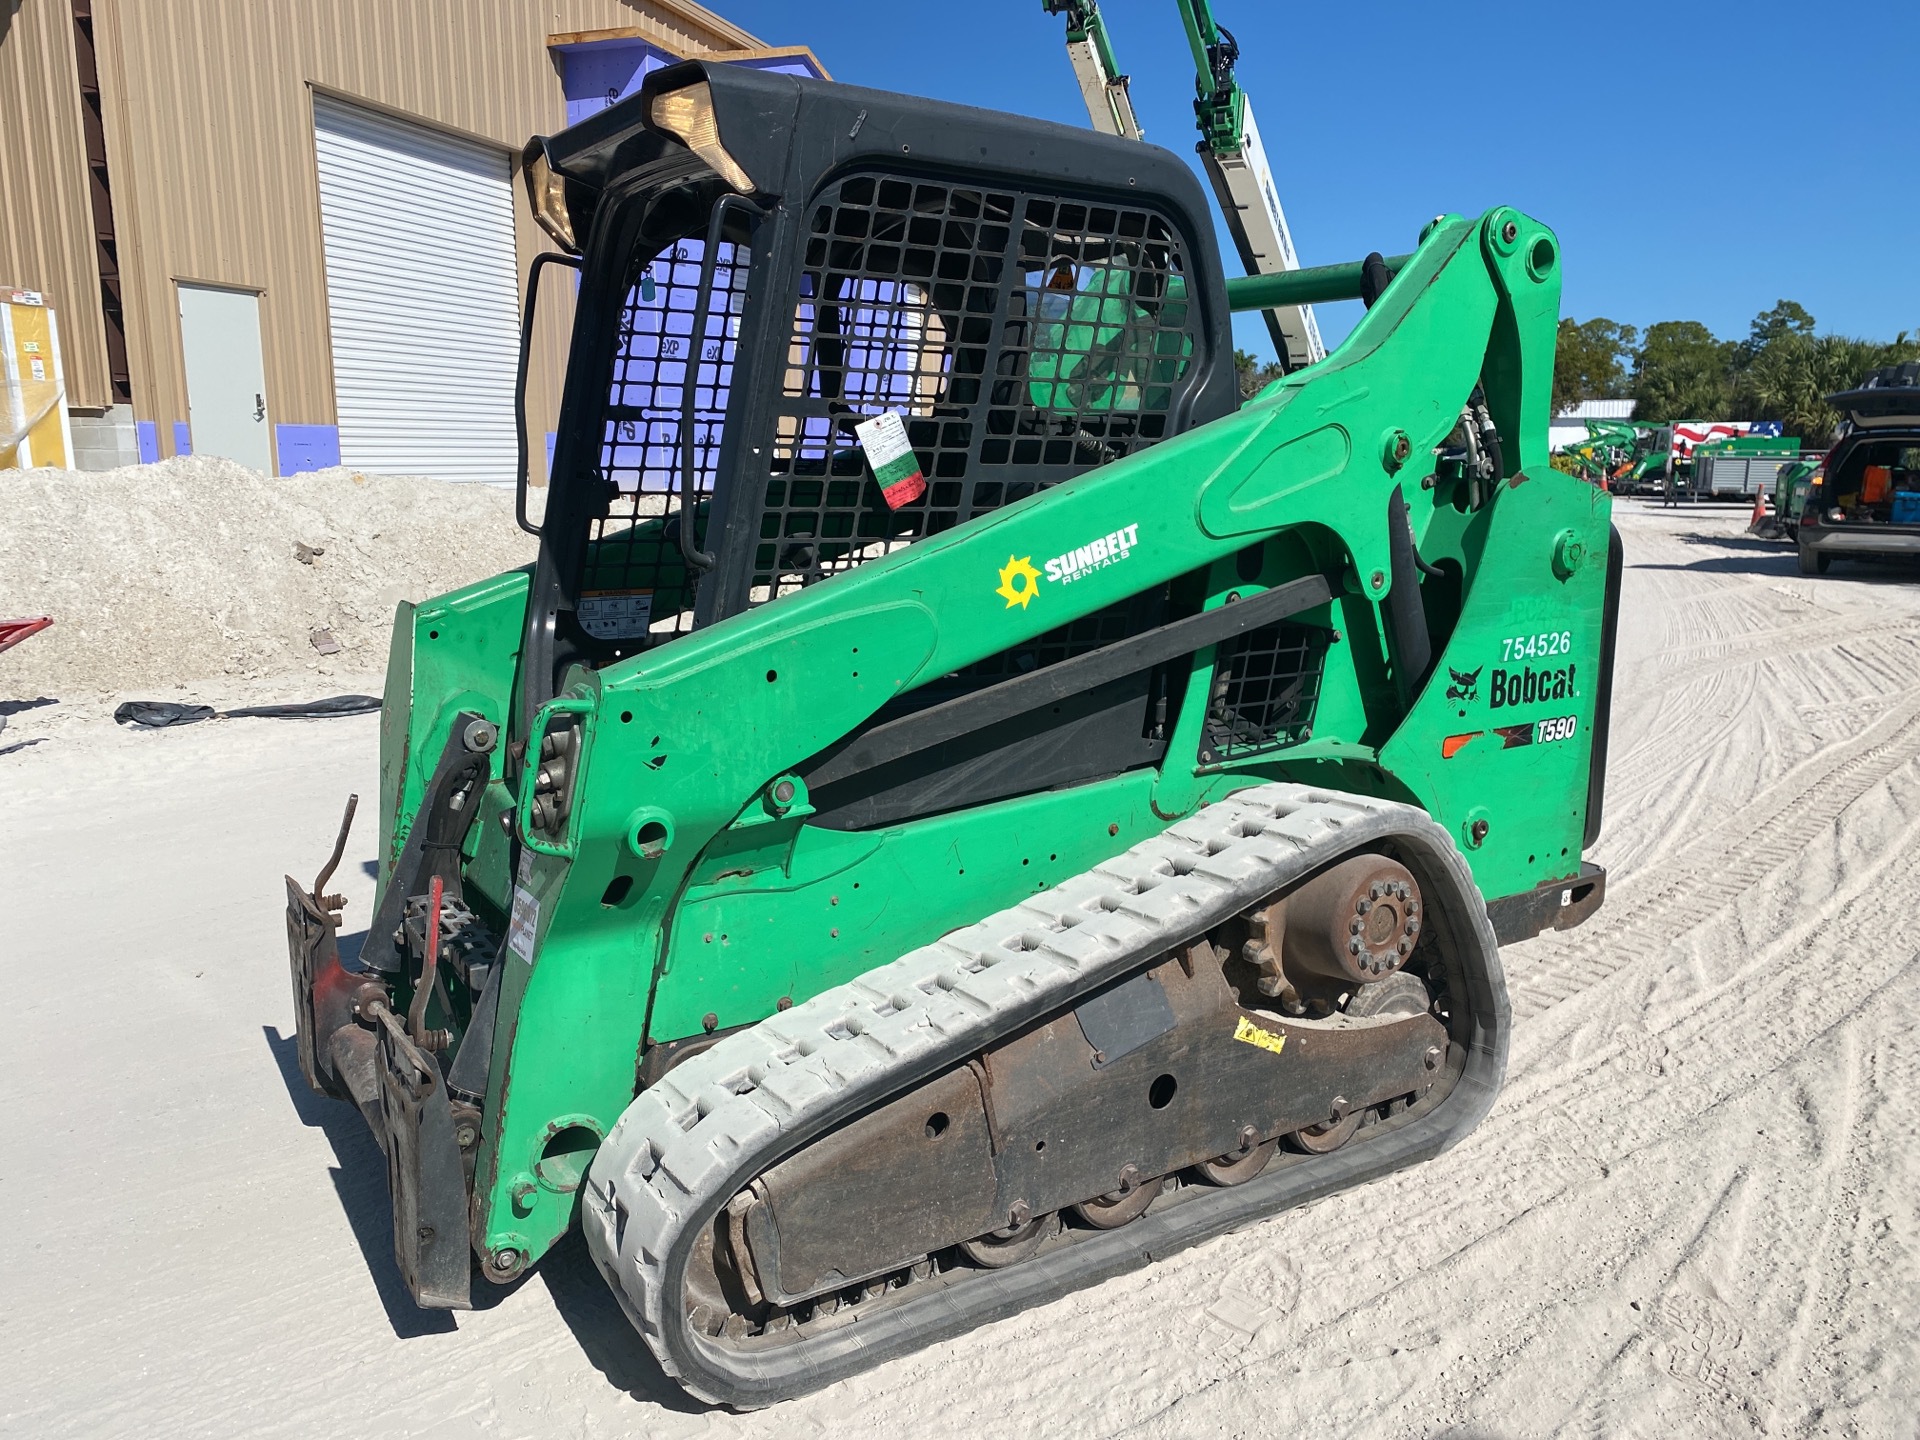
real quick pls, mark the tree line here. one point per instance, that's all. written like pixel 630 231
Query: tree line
pixel 1679 370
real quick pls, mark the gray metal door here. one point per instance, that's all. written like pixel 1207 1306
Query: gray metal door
pixel 226 378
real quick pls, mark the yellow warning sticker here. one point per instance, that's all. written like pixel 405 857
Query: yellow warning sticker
pixel 1251 1033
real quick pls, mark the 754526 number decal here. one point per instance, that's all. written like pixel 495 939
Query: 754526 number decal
pixel 1534 647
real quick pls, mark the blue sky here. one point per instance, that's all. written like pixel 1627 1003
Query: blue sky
pixel 1698 160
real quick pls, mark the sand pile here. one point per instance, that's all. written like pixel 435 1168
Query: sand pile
pixel 196 569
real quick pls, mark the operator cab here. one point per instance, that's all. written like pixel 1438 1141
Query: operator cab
pixel 816 324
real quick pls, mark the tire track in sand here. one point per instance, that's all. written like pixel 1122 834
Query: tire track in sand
pixel 1642 919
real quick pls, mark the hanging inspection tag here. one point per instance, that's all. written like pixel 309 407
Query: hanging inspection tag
pixel 895 466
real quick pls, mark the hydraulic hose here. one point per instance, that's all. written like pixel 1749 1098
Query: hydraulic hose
pixel 1412 647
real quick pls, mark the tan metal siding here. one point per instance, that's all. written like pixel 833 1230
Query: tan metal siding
pixel 210 136
pixel 46 214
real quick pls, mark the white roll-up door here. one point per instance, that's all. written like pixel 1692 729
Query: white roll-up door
pixel 421 295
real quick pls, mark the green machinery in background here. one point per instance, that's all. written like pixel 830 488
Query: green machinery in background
pixel 1741 468
pixel 1779 517
pixel 1612 449
pixel 1647 465
pixel 960 805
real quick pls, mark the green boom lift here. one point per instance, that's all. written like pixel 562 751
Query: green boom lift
pixel 1230 149
pixel 961 806
pixel 1608 450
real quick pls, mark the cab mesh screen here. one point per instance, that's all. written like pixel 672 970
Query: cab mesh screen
pixel 1266 684
pixel 636 581
pixel 1021 338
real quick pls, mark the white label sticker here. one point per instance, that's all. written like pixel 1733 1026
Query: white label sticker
pixel 39 368
pixel 524 923
pixel 884 438
pixel 616 614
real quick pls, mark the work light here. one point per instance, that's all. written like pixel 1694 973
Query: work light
pixel 688 115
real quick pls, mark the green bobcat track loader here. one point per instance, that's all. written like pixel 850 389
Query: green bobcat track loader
pixel 961 806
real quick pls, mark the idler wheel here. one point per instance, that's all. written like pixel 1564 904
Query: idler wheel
pixel 1011 1245
pixel 1115 1209
pixel 1330 1134
pixel 1241 1165
pixel 1398 995
pixel 1355 923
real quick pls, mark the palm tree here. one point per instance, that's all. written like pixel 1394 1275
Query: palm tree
pixel 1792 376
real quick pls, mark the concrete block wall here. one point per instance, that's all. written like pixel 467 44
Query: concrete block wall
pixel 105 440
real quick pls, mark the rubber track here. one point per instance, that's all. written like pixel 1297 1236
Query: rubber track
pixel 689 1143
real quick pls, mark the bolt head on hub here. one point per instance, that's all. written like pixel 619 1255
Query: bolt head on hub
pixel 1348 924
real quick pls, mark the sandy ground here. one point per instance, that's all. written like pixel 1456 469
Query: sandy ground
pixel 1692 1213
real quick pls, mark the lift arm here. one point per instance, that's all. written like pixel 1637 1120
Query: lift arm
pixel 1236 163
pixel 1101 83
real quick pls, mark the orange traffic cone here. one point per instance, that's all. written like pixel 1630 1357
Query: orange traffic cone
pixel 1760 510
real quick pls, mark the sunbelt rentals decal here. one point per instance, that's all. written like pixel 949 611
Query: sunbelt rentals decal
pixel 1020 581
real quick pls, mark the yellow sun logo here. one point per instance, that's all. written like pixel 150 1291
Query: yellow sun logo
pixel 1019 570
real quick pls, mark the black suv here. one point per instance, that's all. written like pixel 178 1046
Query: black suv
pixel 1868 502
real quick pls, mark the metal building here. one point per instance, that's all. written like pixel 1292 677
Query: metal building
pixel 292 233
